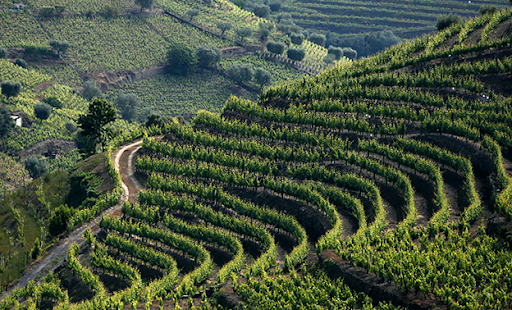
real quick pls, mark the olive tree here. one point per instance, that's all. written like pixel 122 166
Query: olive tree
pixel 91 90
pixel 182 59
pixel 42 111
pixel 240 72
pixel 224 26
pixel 275 47
pixel 127 104
pixel 243 33
pixel 262 77
pixel 59 46
pixel 36 166
pixel 261 10
pixel 296 53
pixel 208 55
pixel 317 38
pixel 11 88
pixel 297 38
pixel 192 13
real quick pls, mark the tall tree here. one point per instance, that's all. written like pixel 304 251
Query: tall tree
pixel 94 123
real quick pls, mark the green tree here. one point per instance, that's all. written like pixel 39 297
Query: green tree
pixel 261 10
pixel 145 4
pixel 446 21
pixel 240 72
pixel 157 120
pixel 59 46
pixel 6 123
pixel 243 3
pixel 275 6
pixel 349 52
pixel 42 110
pixel 91 90
pixel 182 59
pixel 36 250
pixel 54 101
pixel 264 29
pixel 329 58
pixel 296 53
pixel 59 9
pixel 21 62
pixel 192 13
pixel 59 220
pixel 3 52
pixel 47 11
pixel 336 51
pixel 243 33
pixel 297 38
pixel 208 55
pixel 36 166
pixel 317 38
pixel 70 126
pixel 11 88
pixel 224 26
pixel 127 104
pixel 262 77
pixel 275 47
pixel 110 11
pixel 94 123
pixel 487 9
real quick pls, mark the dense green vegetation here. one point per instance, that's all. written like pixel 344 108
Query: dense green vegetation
pixel 406 19
pixel 175 95
pixel 393 164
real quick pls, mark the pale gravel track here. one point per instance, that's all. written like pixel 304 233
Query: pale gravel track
pixel 57 255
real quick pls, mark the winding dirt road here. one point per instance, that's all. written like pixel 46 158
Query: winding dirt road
pixel 123 160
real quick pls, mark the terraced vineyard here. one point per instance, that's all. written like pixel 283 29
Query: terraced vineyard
pixel 384 173
pixel 407 19
pixel 178 95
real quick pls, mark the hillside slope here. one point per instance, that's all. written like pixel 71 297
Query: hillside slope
pixel 394 170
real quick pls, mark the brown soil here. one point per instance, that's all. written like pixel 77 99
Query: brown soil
pixel 96 165
pixel 473 37
pixel 48 147
pixel 503 30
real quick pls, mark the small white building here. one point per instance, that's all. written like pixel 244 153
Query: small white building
pixel 17 119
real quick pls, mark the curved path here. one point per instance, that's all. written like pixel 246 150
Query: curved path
pixel 123 160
